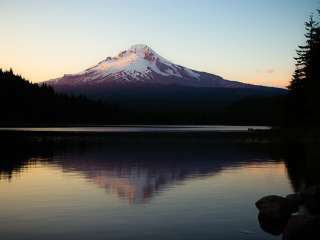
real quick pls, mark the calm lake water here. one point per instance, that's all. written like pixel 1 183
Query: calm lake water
pixel 137 190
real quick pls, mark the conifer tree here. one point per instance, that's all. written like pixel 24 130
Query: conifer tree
pixel 304 95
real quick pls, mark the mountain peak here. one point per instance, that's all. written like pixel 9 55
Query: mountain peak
pixel 140 63
pixel 143 51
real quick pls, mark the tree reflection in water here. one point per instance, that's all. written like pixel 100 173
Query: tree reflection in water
pixel 135 170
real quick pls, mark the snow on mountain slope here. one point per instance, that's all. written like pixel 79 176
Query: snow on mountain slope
pixel 140 64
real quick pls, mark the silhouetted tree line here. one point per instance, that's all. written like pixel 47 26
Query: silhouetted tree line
pixel 304 97
pixel 22 102
pixel 257 110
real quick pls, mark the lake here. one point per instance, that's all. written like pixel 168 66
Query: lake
pixel 144 189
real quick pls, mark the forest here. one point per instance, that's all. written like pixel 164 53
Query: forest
pixel 25 103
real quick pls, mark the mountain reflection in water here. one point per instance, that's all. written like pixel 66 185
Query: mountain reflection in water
pixel 136 171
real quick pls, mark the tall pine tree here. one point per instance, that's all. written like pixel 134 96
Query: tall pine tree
pixel 304 88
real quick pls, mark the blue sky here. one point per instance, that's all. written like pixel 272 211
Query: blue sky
pixel 248 40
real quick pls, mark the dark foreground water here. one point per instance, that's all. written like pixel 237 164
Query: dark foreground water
pixel 137 190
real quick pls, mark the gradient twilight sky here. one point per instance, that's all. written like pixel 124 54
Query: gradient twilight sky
pixel 252 41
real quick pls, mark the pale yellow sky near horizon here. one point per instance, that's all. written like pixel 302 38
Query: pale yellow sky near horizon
pixel 46 67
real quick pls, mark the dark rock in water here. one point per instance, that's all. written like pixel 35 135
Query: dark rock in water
pixel 301 227
pixel 296 197
pixel 311 198
pixel 277 207
pixel 275 212
pixel 276 217
pixel 269 224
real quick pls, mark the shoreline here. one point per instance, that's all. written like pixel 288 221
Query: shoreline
pixel 250 136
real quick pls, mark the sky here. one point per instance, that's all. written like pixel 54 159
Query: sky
pixel 252 41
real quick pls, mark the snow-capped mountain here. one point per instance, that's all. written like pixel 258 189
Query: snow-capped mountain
pixel 140 64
